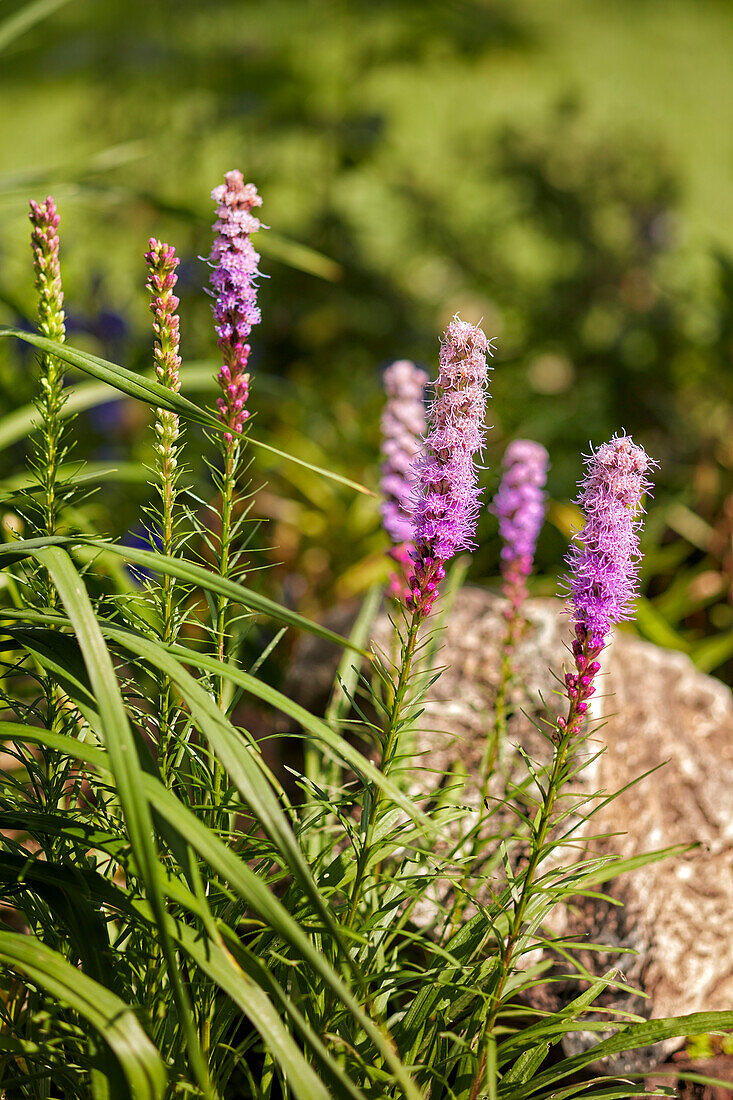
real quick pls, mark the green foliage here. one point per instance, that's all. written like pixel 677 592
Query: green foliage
pixel 417 158
pixel 189 913
pixel 244 915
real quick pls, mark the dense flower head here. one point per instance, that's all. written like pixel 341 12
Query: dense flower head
pixel 162 263
pixel 45 244
pixel 520 503
pixel 403 426
pixel 447 494
pixel 603 559
pixel 235 268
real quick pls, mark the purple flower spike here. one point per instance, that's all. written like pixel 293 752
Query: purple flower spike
pixel 234 261
pixel 603 560
pixel 446 495
pixel 520 507
pixel 403 426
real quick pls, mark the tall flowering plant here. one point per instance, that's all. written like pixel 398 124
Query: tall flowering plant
pixel 603 574
pixel 235 267
pixel 444 513
pixel 179 917
pixel 162 262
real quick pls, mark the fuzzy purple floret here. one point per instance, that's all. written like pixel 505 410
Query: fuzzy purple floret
pixel 235 263
pixel 603 560
pixel 520 503
pixel 403 426
pixel 447 495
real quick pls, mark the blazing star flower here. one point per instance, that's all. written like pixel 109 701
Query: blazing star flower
pixel 162 263
pixel 45 244
pixel 234 261
pixel 520 507
pixel 403 426
pixel 603 560
pixel 447 494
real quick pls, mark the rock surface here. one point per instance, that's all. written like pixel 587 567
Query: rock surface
pixel 658 710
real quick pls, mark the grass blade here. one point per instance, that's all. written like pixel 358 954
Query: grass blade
pixel 21 21
pixel 111 1018
pixel 155 395
pixel 120 745
pixel 185 571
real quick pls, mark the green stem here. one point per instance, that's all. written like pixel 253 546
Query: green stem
pixel 495 738
pixel 390 744
pixel 564 738
pixel 168 627
pixel 228 489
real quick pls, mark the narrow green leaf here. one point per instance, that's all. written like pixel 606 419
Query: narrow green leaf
pixel 110 1017
pixel 25 18
pixel 185 571
pixel 87 395
pixel 120 745
pixel 78 475
pixel 148 390
pixel 233 870
pixel 152 393
pixel 632 1037
pixel 347 481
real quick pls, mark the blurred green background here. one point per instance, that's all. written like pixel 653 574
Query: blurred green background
pixel 560 169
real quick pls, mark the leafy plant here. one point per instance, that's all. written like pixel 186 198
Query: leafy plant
pixel 185 916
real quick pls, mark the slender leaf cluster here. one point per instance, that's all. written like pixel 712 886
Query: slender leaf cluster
pixel 189 913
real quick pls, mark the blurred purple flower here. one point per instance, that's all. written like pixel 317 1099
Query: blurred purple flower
pixel 142 538
pixel 520 507
pixel 403 426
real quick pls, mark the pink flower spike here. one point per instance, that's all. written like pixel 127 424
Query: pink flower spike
pixel 446 491
pixel 235 268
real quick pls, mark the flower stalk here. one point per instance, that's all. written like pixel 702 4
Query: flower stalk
pixel 234 263
pixel 49 442
pixel 445 509
pixel 520 507
pixel 602 581
pixel 162 262
pixel 44 219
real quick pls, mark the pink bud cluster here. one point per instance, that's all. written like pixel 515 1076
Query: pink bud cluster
pixel 446 494
pixel 45 244
pixel 520 507
pixel 403 426
pixel 162 262
pixel 603 559
pixel 234 261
